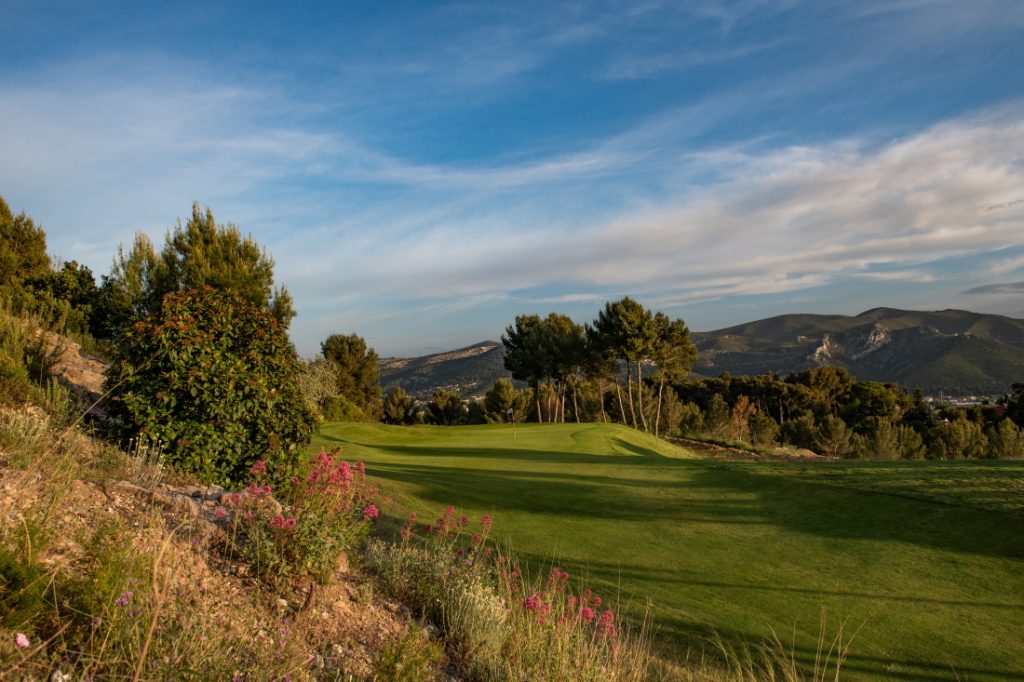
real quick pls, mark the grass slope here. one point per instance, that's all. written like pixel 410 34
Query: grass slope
pixel 930 562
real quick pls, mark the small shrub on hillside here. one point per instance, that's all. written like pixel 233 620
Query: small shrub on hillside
pixel 411 658
pixel 215 380
pixel 498 623
pixel 330 513
pixel 26 360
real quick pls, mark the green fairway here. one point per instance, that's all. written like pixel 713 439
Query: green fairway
pixel 929 556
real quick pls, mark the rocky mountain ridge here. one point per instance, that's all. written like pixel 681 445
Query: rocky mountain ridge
pixel 952 351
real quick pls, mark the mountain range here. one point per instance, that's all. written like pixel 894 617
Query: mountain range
pixel 950 351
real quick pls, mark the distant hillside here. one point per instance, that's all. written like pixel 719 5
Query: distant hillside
pixel 954 351
pixel 470 371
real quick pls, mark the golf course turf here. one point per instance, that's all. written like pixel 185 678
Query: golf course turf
pixel 924 560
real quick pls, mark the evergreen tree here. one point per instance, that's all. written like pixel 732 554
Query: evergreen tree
pixel 957 439
pixel 399 407
pixel 834 437
pixel 525 354
pixel 197 254
pixel 446 408
pixel 673 355
pixel 358 370
pixel 1005 440
pixel 626 331
pixel 22 248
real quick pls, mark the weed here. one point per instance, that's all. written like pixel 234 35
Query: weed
pixel 410 658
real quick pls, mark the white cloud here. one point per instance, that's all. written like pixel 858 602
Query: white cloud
pixel 786 219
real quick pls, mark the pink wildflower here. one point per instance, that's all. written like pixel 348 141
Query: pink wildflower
pixel 294 480
pixel 258 469
pixel 477 539
pixel 370 511
pixel 360 467
pixel 587 613
pixel 21 641
pixel 597 602
pixel 124 598
pixel 485 523
pixel 464 521
pixel 430 529
pixel 219 513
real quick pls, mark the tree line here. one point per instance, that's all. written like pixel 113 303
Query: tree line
pixel 632 366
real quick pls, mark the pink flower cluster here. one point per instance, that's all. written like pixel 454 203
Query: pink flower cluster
pixel 279 522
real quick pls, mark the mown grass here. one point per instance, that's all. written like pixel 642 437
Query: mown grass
pixel 928 556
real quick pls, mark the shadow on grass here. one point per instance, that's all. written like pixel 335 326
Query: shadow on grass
pixel 640 486
pixel 539 482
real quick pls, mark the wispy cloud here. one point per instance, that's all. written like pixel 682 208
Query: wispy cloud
pixel 1001 288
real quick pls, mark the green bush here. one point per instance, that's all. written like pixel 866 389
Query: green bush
pixel 338 408
pixel 214 380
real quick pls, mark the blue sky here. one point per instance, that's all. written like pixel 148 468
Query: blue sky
pixel 424 172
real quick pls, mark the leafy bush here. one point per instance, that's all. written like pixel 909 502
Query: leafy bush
pixel 215 381
pixel 338 408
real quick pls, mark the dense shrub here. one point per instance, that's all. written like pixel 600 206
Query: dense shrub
pixel 338 408
pixel 446 408
pixel 399 407
pixel 957 439
pixel 215 381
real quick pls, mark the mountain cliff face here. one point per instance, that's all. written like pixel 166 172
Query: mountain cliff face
pixel 950 350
